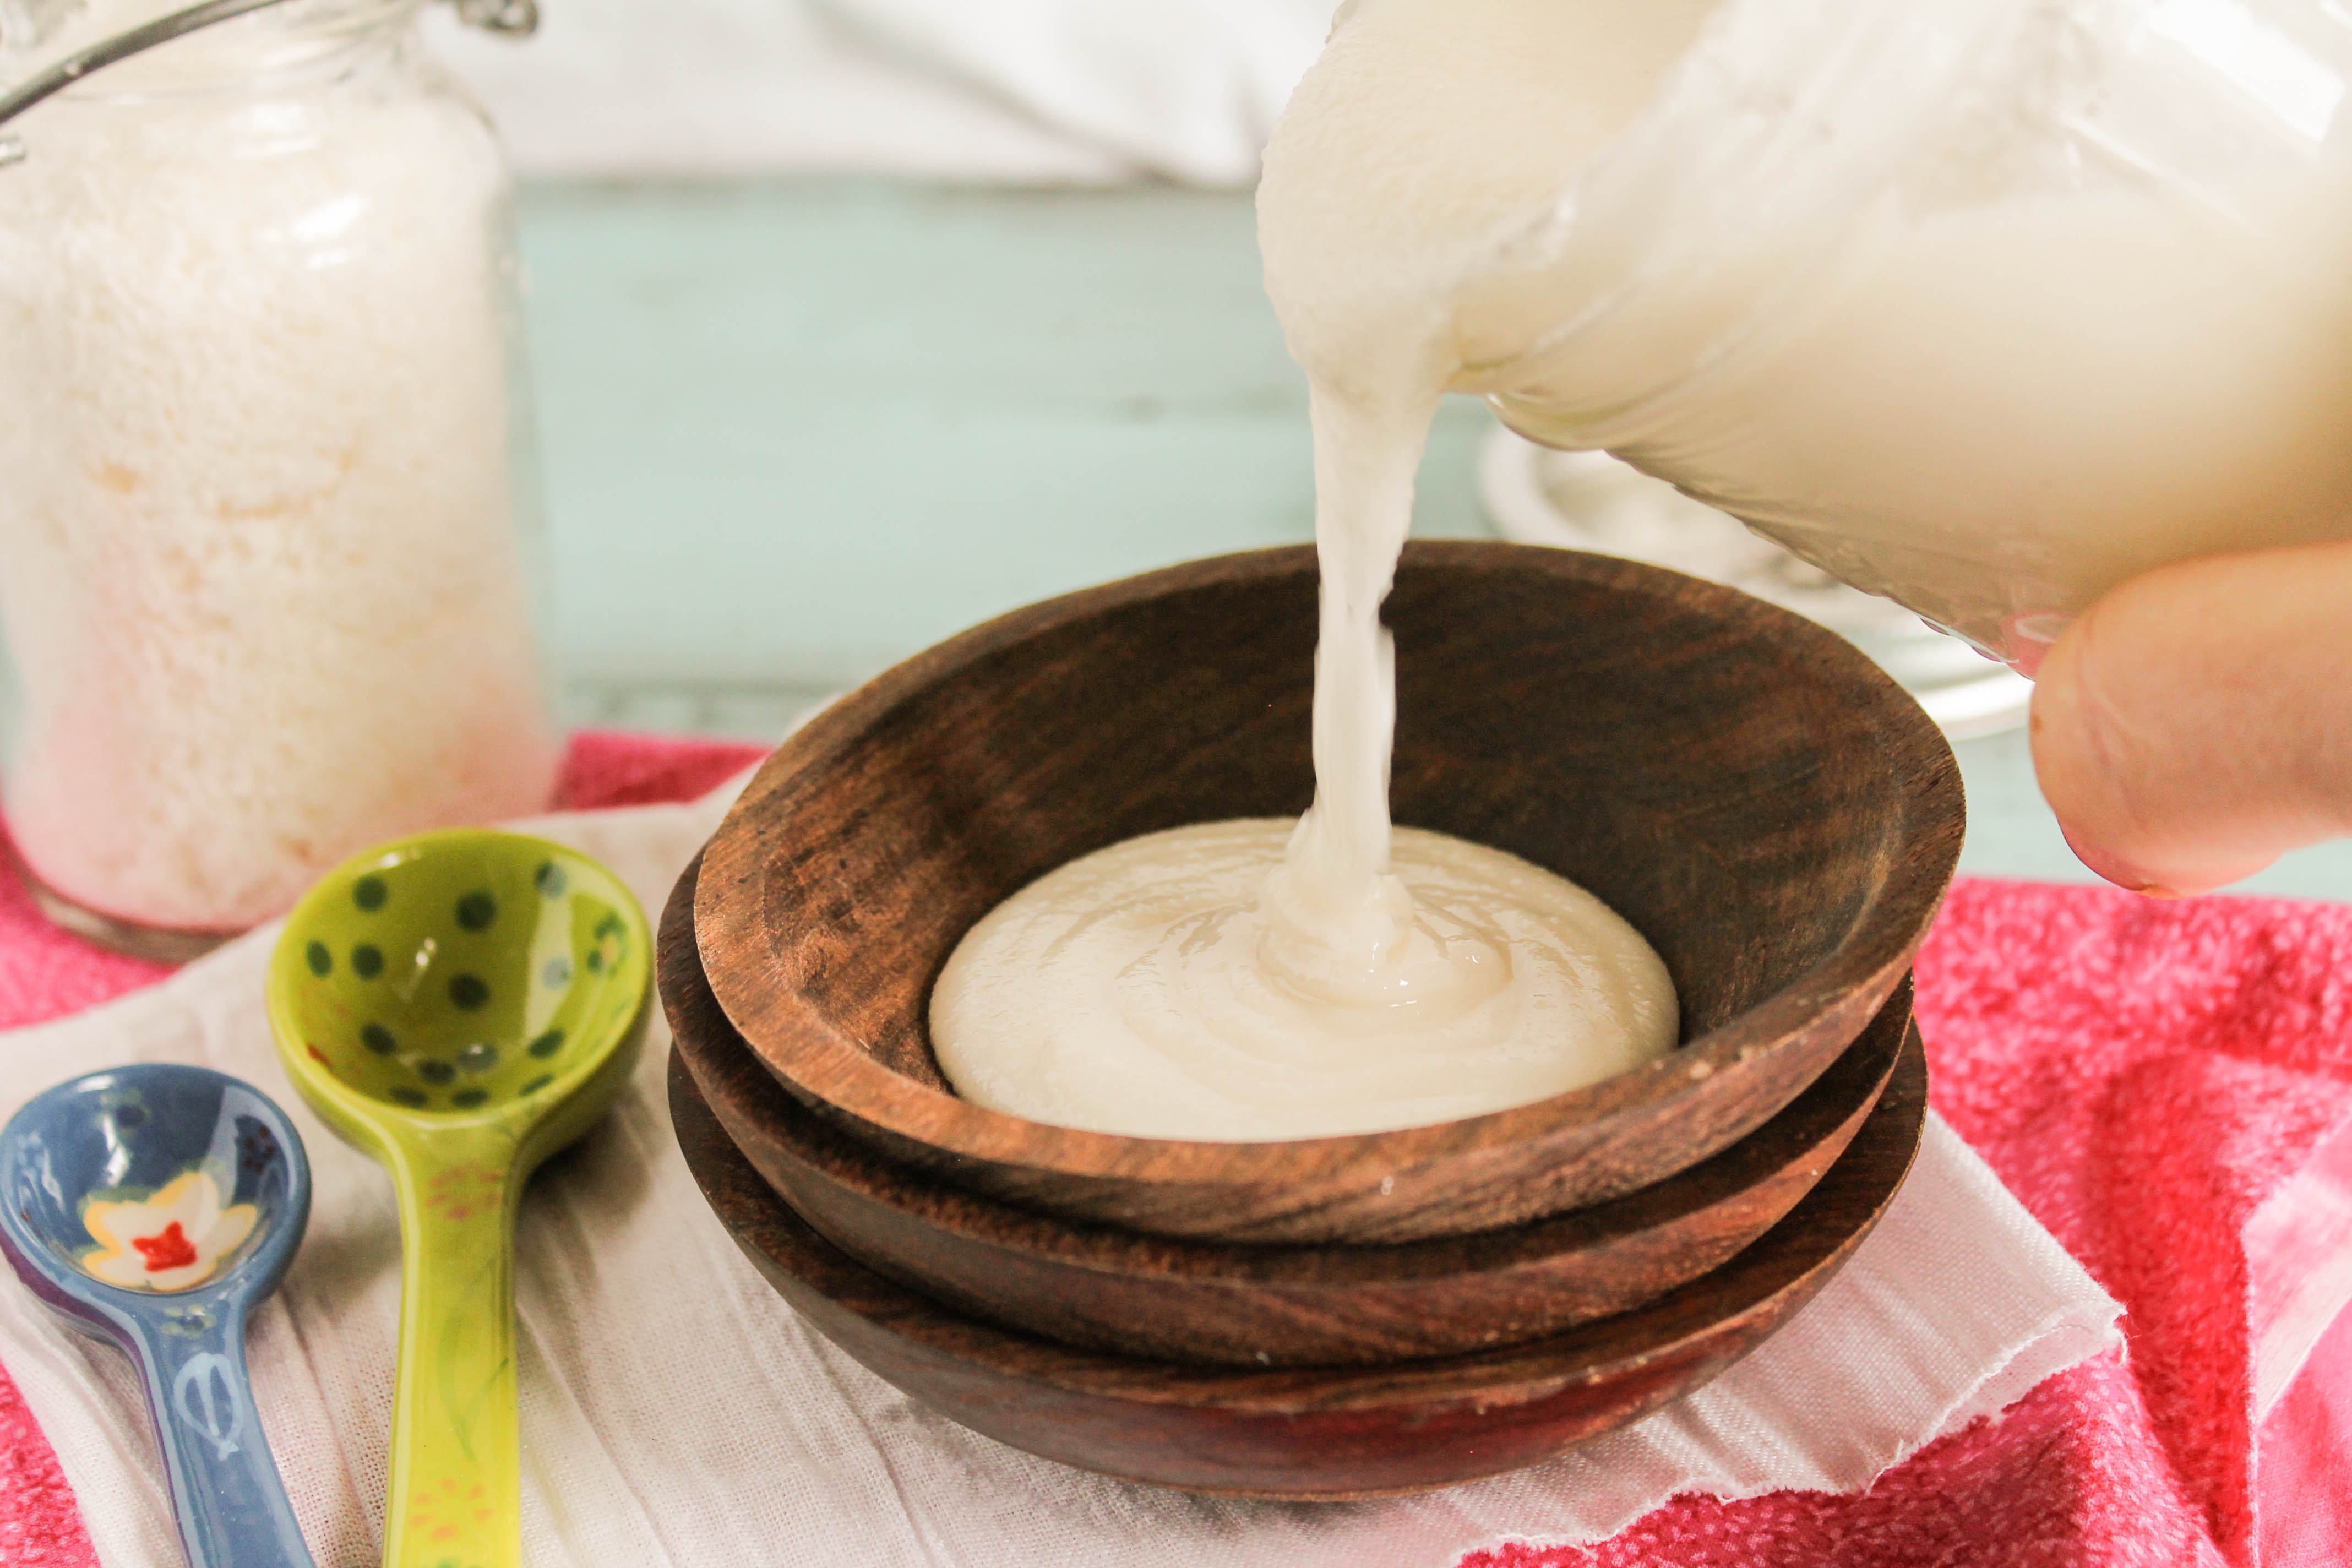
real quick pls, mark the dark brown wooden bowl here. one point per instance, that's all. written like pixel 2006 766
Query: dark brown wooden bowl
pixel 1208 1302
pixel 1774 814
pixel 1328 1434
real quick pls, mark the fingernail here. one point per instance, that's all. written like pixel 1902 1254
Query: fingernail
pixel 2122 873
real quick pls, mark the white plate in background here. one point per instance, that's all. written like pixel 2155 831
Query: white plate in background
pixel 1590 500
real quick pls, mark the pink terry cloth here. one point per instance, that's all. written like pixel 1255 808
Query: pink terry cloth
pixel 2166 1086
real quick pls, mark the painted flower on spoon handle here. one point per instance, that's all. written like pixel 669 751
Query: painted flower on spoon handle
pixel 226 1495
pixel 456 1467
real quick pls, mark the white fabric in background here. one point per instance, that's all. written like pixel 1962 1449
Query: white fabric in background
pixel 998 90
pixel 685 88
pixel 676 1414
pixel 1187 88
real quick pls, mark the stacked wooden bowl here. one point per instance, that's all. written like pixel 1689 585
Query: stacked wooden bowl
pixel 1334 1317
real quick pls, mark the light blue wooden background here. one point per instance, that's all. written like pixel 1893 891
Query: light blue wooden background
pixel 795 430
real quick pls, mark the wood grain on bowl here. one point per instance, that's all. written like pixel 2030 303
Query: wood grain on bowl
pixel 1211 1302
pixel 1768 809
pixel 1312 1434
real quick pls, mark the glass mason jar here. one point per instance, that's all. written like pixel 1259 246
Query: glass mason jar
pixel 267 546
pixel 1983 305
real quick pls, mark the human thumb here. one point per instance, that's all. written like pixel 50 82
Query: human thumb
pixel 2197 722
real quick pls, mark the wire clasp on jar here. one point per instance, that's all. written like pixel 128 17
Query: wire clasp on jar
pixel 507 18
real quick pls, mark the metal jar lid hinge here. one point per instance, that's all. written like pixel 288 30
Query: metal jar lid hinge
pixel 507 19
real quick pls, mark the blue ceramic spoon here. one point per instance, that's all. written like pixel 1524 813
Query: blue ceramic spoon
pixel 153 1206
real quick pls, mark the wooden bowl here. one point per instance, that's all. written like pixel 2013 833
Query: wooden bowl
pixel 1262 1305
pixel 1774 814
pixel 1329 1434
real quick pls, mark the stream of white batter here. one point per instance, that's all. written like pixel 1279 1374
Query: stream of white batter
pixel 1265 980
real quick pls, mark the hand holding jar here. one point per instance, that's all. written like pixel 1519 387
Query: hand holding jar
pixel 2001 309
pixel 2197 722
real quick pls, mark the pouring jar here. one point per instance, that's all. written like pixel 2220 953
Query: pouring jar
pixel 1981 305
pixel 268 554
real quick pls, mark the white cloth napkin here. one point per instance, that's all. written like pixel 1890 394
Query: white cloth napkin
pixel 677 1415
pixel 1025 91
pixel 1186 88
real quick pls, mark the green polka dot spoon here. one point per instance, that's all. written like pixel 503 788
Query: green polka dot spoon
pixel 460 1006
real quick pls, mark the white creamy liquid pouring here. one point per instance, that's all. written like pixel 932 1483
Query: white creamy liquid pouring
pixel 1251 979
pixel 2090 318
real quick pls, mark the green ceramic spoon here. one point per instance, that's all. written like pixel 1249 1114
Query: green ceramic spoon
pixel 459 1006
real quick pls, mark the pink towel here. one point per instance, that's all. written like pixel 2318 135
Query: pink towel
pixel 2162 1084
pixel 2145 1077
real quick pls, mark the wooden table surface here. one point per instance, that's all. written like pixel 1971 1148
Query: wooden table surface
pixel 795 430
